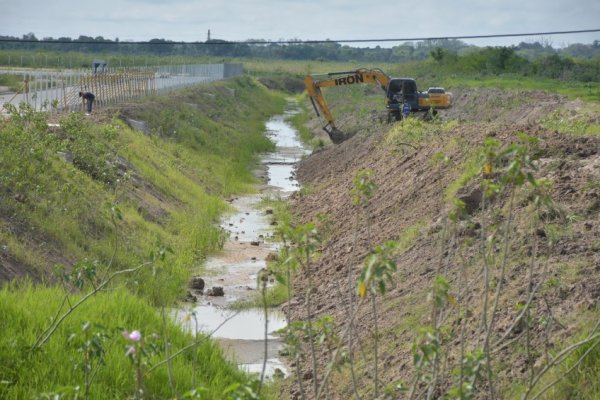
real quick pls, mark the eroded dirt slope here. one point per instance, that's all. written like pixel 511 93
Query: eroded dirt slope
pixel 411 206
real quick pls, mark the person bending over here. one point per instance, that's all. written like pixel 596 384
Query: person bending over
pixel 89 99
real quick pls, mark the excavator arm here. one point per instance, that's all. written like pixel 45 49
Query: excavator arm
pixel 313 88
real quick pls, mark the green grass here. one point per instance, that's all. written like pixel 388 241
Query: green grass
pixel 13 82
pixel 576 376
pixel 428 73
pixel 581 381
pixel 409 236
pixel 25 311
pixel 415 131
pixel 75 59
pixel 88 212
pixel 188 173
pixel 578 122
pixel 589 91
pixel 275 296
pixel 302 67
pixel 470 168
pixel 299 121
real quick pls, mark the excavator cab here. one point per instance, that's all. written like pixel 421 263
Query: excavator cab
pixel 403 90
pixel 401 93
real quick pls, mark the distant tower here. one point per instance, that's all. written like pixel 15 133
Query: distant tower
pixel 208 36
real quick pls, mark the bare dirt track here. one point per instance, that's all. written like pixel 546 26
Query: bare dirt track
pixel 410 201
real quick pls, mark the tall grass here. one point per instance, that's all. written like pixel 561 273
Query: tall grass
pixel 24 313
pixel 195 157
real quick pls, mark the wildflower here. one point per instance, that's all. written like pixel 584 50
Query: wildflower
pixel 135 336
pixel 130 351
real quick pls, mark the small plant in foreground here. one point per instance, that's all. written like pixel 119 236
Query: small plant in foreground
pixel 90 342
pixel 138 351
pixel 378 267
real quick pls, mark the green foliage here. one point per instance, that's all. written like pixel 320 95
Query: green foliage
pixel 90 339
pixel 515 160
pixel 214 124
pixel 425 351
pixel 378 268
pixel 574 122
pixel 439 294
pixel 364 187
pixel 414 131
pixel 466 375
pixel 299 121
pixel 455 54
pixel 320 332
pixel 91 343
pixel 92 147
pixel 77 176
pixel 13 82
pixel 307 240
pixel 581 383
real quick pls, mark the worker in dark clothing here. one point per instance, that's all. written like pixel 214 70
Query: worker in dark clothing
pixel 89 99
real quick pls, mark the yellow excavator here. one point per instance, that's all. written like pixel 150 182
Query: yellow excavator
pixel 401 95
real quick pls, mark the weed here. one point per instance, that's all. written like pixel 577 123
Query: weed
pixel 470 168
pixel 557 122
pixel 552 282
pixel 555 232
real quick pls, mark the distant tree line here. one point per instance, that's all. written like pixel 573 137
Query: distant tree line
pixel 574 62
pixel 508 60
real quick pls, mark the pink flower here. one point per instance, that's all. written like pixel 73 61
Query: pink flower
pixel 130 351
pixel 135 336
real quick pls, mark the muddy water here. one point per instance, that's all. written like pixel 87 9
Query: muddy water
pixel 241 334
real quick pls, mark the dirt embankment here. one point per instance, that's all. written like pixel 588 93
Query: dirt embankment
pixel 409 206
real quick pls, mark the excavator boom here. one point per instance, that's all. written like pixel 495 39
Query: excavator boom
pixel 313 88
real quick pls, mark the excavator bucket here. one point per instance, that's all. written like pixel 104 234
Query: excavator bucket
pixel 335 134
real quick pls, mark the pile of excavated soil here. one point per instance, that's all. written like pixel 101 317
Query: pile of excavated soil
pixel 410 198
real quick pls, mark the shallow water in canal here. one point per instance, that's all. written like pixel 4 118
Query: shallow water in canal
pixel 241 334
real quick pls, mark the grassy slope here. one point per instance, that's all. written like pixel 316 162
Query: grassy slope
pixel 123 198
pixel 58 367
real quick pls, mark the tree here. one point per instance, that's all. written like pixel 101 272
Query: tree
pixel 438 54
pixel 29 36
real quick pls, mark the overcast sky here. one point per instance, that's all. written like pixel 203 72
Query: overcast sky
pixel 190 20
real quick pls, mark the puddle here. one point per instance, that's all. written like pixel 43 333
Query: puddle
pixel 241 334
pixel 228 324
pixel 282 133
pixel 281 176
